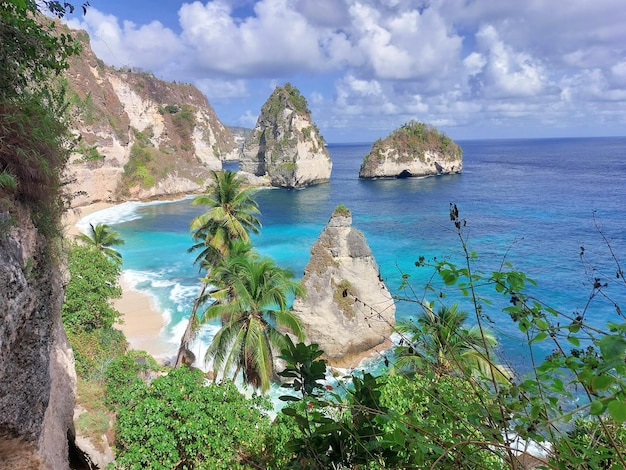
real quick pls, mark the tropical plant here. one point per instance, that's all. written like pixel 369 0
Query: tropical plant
pixel 251 301
pixel 179 422
pixel 32 49
pixel 231 215
pixel 93 283
pixel 103 238
pixel 440 340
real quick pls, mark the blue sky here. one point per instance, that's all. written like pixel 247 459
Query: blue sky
pixel 475 69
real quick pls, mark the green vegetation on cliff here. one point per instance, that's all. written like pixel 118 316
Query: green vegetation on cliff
pixel 286 96
pixel 35 120
pixel 412 140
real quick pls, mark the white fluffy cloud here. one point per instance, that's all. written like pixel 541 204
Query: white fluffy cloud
pixel 470 65
pixel 508 73
pixel 123 43
pixel 278 40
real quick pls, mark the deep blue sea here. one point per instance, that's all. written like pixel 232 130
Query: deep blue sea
pixel 531 202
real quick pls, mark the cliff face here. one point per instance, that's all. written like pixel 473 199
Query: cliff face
pixel 414 149
pixel 141 137
pixel 347 309
pixel 285 146
pixel 37 378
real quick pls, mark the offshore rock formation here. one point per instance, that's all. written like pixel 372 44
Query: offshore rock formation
pixel 37 377
pixel 347 309
pixel 141 137
pixel 285 147
pixel 415 149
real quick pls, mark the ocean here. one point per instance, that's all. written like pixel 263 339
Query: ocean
pixel 533 203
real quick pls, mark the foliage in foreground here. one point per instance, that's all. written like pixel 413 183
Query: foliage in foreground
pixel 93 283
pixel 34 111
pixel 391 421
pixel 181 422
pixel 572 403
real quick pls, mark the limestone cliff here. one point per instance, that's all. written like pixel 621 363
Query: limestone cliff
pixel 141 137
pixel 347 309
pixel 415 149
pixel 37 378
pixel 285 146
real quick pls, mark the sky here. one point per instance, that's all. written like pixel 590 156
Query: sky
pixel 475 69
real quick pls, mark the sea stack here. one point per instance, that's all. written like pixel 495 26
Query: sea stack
pixel 347 310
pixel 413 150
pixel 285 146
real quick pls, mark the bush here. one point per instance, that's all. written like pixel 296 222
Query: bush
pixel 93 282
pixel 179 422
pixel 125 372
pixel 95 349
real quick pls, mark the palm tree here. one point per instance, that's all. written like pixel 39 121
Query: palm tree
pixel 103 238
pixel 252 299
pixel 231 215
pixel 441 341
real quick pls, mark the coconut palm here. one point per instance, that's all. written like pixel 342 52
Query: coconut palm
pixel 441 341
pixel 103 238
pixel 231 214
pixel 252 300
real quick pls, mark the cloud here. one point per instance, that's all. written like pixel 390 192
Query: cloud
pixel 507 72
pixel 405 43
pixel 150 46
pixel 220 90
pixel 373 64
pixel 277 40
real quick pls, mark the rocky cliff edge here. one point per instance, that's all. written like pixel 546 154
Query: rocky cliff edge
pixel 141 137
pixel 285 147
pixel 347 310
pixel 37 377
pixel 413 150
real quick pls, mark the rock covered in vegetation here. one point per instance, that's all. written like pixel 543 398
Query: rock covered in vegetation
pixel 37 377
pixel 415 149
pixel 347 309
pixel 285 146
pixel 141 137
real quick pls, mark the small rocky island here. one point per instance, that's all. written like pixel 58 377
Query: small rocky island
pixel 413 150
pixel 285 147
pixel 347 310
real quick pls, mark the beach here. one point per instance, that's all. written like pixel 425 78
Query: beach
pixel 141 321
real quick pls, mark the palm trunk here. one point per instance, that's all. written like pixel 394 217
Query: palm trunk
pixel 190 331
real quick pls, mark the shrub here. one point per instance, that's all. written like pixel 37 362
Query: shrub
pixel 179 422
pixel 93 282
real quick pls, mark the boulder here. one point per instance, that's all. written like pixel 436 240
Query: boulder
pixel 347 309
pixel 285 145
pixel 413 150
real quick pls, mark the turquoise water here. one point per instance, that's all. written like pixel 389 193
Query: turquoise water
pixel 535 202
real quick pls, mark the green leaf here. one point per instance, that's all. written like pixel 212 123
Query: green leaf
pixel 612 347
pixel 617 410
pixel 288 398
pixel 290 412
pixel 573 340
pixel 601 382
pixel 596 408
pixel 540 337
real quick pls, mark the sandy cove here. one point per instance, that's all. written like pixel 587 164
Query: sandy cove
pixel 141 321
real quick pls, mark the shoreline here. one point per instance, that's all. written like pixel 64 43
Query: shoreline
pixel 140 321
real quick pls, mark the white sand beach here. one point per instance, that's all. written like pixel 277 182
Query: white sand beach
pixel 141 322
